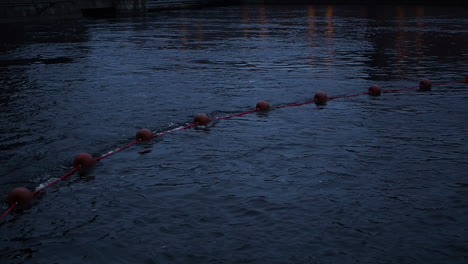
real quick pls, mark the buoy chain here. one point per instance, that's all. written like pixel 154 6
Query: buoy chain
pixel 21 196
pixel 7 211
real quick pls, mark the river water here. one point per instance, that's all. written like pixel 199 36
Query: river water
pixel 361 180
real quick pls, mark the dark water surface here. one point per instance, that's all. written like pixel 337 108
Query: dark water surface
pixel 362 180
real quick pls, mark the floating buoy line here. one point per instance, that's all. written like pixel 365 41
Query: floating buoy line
pixel 22 197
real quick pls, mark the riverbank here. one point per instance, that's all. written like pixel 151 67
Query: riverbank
pixel 14 10
pixel 17 10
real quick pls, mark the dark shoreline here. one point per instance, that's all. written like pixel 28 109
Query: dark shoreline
pixel 17 10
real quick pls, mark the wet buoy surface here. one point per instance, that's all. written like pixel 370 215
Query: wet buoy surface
pixel 201 119
pixel 425 85
pixel 375 90
pixel 83 160
pixel 144 134
pixel 20 195
pixel 321 98
pixel 263 106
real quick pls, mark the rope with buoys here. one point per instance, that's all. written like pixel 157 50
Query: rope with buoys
pixel 22 197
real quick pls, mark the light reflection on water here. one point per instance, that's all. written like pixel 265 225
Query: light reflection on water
pixel 362 179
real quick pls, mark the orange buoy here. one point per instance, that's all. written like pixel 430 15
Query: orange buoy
pixel 83 160
pixel 201 119
pixel 144 134
pixel 262 106
pixel 425 85
pixel 320 98
pixel 20 195
pixel 375 90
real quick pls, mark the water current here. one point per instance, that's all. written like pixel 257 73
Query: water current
pixel 360 180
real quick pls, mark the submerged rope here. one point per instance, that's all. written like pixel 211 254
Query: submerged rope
pixel 7 211
pixel 71 172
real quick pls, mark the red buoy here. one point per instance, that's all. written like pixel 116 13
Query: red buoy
pixel 201 119
pixel 375 90
pixel 425 85
pixel 262 106
pixel 144 135
pixel 466 78
pixel 83 160
pixel 20 195
pixel 320 98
